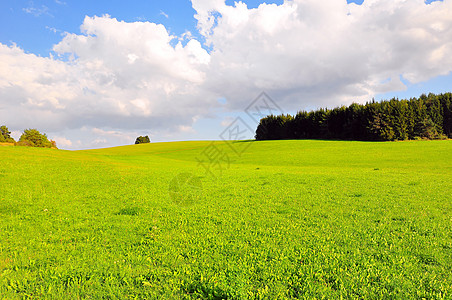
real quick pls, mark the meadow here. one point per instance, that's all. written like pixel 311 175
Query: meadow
pixel 284 219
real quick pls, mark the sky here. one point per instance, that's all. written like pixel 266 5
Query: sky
pixel 94 74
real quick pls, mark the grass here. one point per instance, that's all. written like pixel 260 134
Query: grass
pixel 6 144
pixel 285 219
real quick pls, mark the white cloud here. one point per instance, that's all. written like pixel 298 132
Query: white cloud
pixel 113 133
pixel 99 142
pixel 121 75
pixel 130 78
pixel 186 129
pixel 316 53
pixel 164 14
pixel 15 134
pixel 62 142
pixel 36 11
pixel 54 30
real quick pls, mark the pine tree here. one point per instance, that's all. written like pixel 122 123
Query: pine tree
pixel 426 117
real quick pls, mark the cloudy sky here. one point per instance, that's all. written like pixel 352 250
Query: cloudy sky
pixel 99 73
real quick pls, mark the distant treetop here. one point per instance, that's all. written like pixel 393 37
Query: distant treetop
pixel 428 117
pixel 142 140
pixel 5 136
pixel 33 138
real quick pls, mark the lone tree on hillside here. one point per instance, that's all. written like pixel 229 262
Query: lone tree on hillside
pixel 33 138
pixel 142 140
pixel 5 136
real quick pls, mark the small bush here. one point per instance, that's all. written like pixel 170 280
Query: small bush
pixel 142 140
pixel 24 143
pixel 36 139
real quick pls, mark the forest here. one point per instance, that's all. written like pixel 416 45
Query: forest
pixel 426 117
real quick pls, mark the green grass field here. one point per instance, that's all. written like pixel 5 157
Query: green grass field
pixel 286 219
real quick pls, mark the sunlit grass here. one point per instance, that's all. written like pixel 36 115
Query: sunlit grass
pixel 286 219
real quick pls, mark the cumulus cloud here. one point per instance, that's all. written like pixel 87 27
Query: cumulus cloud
pixel 314 53
pixel 62 142
pixel 113 75
pixel 116 77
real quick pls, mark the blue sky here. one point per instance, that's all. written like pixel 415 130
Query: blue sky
pixel 30 24
pixel 213 62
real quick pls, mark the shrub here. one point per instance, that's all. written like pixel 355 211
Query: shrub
pixel 5 136
pixel 33 138
pixel 24 143
pixel 142 140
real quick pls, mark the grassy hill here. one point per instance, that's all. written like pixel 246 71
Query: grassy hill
pixel 284 219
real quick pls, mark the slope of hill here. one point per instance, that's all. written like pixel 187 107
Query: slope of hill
pixel 271 219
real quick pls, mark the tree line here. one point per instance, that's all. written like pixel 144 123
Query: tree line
pixel 426 117
pixel 30 138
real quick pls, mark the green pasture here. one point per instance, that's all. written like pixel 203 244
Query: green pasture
pixel 270 220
